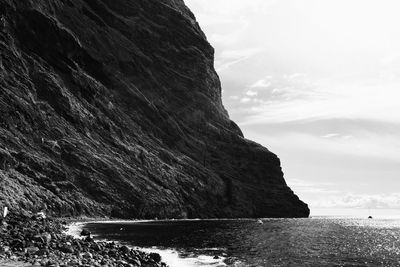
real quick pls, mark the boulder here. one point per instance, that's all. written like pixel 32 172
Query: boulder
pixel 38 238
pixel 66 249
pixel 42 252
pixel 85 232
pixel 89 239
pixel 46 237
pixel 31 250
pixel 155 257
pixel 4 249
pixel 125 249
pixel 40 216
pixel 87 255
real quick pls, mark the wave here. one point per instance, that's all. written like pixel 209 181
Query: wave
pixel 170 256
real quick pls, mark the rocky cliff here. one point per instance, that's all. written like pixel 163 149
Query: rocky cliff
pixel 114 108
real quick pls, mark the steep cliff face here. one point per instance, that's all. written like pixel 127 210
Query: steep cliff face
pixel 114 108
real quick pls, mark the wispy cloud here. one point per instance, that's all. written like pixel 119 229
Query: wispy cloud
pixel 290 101
pixel 230 58
pixel 245 100
pixel 263 83
pixel 251 93
pixel 331 135
pixel 364 145
pixel 304 186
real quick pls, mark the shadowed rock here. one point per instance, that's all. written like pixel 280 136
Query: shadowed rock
pixel 114 108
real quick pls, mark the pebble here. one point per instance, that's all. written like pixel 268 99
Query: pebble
pixel 39 241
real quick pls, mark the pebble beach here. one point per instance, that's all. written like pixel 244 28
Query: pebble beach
pixel 35 240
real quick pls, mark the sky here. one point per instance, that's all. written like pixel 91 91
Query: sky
pixel 318 83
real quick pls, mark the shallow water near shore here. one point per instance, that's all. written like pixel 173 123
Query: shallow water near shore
pixel 320 241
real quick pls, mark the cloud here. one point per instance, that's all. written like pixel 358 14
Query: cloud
pixel 261 84
pixel 230 8
pixel 323 195
pixel 327 68
pixel 361 144
pixel 245 100
pixel 226 24
pixel 251 93
pixel 222 65
pixel 320 92
pixel 360 201
pixel 304 186
pixel 337 135
pixel 229 58
pixel 331 135
pixel 371 98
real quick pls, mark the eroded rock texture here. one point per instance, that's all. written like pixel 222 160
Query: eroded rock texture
pixel 114 108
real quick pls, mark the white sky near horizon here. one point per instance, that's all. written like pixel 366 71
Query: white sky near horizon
pixel 318 83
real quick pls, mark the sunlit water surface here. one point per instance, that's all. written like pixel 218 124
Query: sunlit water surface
pixel 318 241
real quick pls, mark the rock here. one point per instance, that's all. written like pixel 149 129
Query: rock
pixel 155 257
pixel 89 239
pixel 78 246
pixel 54 236
pixel 135 262
pixel 85 232
pixel 82 75
pixel 42 238
pixel 31 250
pixel 87 255
pixel 36 263
pixel 95 247
pixel 4 249
pixel 66 249
pixel 38 239
pixel 112 252
pixel 125 249
pixel 39 216
pixel 46 237
pixel 5 212
pixel 17 244
pixel 121 262
pixel 42 252
pixel 48 263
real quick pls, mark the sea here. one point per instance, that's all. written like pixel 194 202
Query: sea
pixel 315 241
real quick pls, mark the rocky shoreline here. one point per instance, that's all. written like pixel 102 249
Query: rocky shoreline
pixel 34 240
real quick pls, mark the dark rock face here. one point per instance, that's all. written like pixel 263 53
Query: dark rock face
pixel 114 108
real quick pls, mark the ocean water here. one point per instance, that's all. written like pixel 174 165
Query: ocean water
pixel 320 241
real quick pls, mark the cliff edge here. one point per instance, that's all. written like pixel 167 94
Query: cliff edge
pixel 114 108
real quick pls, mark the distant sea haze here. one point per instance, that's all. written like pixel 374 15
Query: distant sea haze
pixel 356 212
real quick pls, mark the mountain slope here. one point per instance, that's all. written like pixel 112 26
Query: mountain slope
pixel 114 108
